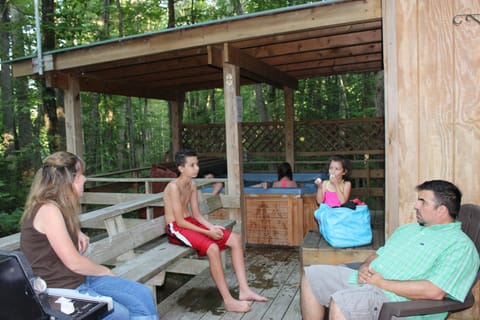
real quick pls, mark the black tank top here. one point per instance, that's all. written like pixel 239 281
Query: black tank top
pixel 43 259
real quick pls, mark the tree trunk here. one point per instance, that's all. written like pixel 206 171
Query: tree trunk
pixel 24 137
pixel 343 112
pixel 171 14
pixel 143 137
pixel 48 94
pixel 260 101
pixel 171 24
pixel 103 33
pixel 126 117
pixel 8 124
pixel 132 163
pixel 93 140
pixel 379 94
pixel 237 7
pixel 213 106
pixel 121 136
pixel 120 18
pixel 62 131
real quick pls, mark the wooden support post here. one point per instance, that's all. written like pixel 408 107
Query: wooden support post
pixel 156 281
pixel 73 116
pixel 176 125
pixel 289 127
pixel 233 116
pixel 116 225
pixel 148 190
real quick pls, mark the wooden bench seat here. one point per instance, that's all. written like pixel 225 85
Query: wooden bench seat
pixel 316 250
pixel 149 263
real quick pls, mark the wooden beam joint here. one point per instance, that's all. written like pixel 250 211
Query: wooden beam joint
pixel 250 67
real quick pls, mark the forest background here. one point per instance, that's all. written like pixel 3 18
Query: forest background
pixel 123 132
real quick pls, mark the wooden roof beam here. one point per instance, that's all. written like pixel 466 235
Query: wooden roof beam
pixel 57 80
pixel 250 67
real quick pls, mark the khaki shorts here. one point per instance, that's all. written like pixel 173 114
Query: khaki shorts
pixel 357 302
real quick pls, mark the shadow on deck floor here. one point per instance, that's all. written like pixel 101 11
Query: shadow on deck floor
pixel 272 272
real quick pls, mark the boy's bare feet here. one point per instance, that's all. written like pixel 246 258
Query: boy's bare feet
pixel 252 296
pixel 237 306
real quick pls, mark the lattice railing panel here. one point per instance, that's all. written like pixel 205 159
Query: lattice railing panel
pixel 263 137
pixel 340 135
pixel 205 138
pixel 325 136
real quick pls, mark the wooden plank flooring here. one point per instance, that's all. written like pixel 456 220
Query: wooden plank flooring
pixel 272 272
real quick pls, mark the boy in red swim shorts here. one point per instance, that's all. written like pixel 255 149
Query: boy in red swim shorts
pixel 191 228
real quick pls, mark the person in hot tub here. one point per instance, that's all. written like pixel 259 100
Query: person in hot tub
pixel 285 177
pixel 335 191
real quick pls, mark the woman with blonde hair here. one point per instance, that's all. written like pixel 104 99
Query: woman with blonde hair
pixel 54 245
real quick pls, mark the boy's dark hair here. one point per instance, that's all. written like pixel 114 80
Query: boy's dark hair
pixel 182 154
pixel 346 164
pixel 445 193
pixel 284 170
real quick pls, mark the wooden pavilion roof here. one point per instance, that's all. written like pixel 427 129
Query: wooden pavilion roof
pixel 278 47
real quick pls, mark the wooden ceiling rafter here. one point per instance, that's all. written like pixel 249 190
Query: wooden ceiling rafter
pixel 326 54
pixel 340 61
pixel 329 31
pixel 333 70
pixel 144 69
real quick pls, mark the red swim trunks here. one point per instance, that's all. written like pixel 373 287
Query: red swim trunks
pixel 193 239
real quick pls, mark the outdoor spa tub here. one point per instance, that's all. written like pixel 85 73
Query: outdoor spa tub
pixel 279 216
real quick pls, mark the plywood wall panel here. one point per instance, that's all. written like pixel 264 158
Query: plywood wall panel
pixel 407 30
pixel 466 84
pixel 436 76
pixel 432 100
pixel 401 116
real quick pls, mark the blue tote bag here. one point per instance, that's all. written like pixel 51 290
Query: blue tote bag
pixel 343 227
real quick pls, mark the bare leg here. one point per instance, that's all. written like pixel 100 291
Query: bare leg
pixel 238 261
pixel 311 308
pixel 216 269
pixel 335 312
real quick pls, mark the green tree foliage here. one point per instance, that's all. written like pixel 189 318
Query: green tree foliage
pixel 315 99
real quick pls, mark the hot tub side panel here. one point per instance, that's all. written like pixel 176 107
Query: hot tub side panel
pixel 274 219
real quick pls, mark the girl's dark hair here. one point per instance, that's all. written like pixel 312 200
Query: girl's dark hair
pixel 346 164
pixel 284 170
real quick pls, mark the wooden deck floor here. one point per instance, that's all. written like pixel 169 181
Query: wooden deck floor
pixel 272 272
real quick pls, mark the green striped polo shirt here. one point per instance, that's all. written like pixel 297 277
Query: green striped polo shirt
pixel 442 254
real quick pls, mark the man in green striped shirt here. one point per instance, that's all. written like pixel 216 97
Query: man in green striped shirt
pixel 431 259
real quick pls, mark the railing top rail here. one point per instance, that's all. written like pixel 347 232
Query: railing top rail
pixel 120 208
pixel 121 172
pixel 199 182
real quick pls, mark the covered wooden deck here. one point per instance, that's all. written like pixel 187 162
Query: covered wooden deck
pixel 272 272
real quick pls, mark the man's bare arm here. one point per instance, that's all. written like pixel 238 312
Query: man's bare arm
pixel 412 289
